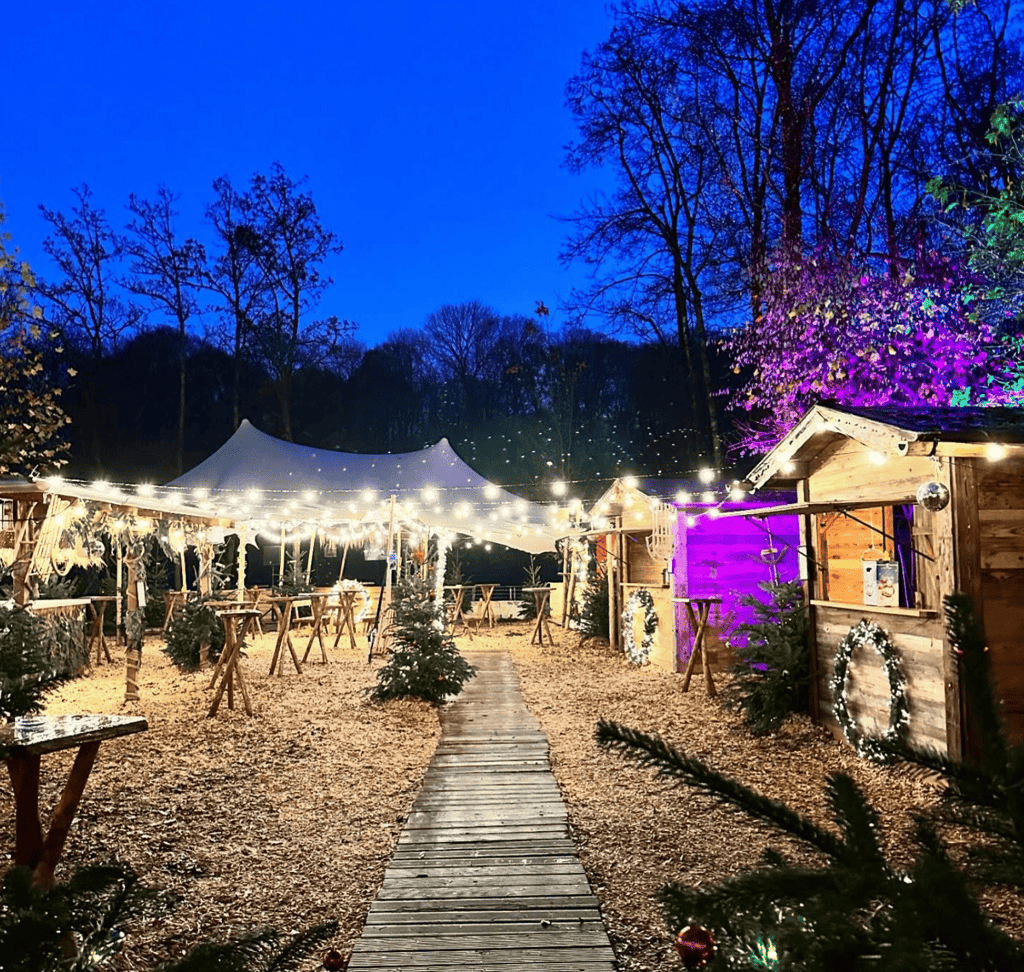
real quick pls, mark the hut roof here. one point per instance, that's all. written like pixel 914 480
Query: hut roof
pixel 903 430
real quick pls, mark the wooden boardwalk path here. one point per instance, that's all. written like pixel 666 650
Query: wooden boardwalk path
pixel 484 876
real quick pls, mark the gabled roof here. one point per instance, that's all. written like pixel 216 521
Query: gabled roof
pixel 895 429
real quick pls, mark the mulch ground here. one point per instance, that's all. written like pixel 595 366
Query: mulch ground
pixel 290 818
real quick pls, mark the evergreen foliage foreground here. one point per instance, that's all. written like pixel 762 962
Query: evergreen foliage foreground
pixel 424 662
pixel 860 911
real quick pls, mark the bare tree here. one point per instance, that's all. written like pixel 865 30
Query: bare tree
pixel 168 272
pixel 83 301
pixel 236 276
pixel 293 247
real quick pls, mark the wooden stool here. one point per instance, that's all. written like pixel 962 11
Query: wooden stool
pixel 346 609
pixel 542 626
pixel 487 614
pixel 699 626
pixel 317 603
pixel 283 610
pixel 236 622
pixel 98 608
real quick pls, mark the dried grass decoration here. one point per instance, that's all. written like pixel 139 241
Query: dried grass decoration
pixel 641 655
pixel 867 633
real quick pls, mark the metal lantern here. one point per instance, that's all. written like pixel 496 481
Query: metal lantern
pixel 933 496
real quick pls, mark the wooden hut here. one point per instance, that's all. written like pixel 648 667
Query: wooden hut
pixel 635 546
pixel 857 473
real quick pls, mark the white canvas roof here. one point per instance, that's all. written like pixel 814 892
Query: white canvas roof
pixel 257 477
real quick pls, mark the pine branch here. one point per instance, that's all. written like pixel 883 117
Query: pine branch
pixel 291 957
pixel 858 820
pixel 653 752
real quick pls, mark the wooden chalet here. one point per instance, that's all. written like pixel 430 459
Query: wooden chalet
pixel 857 473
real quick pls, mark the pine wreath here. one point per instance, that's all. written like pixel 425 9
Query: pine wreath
pixel 867 633
pixel 641 655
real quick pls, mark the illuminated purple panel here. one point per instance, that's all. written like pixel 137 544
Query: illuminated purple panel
pixel 728 559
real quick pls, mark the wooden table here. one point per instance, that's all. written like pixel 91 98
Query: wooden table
pixel 283 612
pixel 699 626
pixel 236 621
pixel 98 608
pixel 456 614
pixel 542 627
pixel 346 612
pixel 487 614
pixel 28 740
pixel 317 604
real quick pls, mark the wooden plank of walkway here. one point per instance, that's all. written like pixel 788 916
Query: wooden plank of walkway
pixel 484 876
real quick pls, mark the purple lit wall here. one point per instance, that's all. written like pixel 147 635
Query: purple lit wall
pixel 728 558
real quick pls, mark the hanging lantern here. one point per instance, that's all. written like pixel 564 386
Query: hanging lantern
pixel 933 496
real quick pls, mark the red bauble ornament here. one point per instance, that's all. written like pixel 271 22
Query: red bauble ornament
pixel 695 945
pixel 334 961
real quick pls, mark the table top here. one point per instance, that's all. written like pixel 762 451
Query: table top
pixel 534 590
pixel 696 600
pixel 47 734
pixel 102 597
pixel 54 603
pixel 238 612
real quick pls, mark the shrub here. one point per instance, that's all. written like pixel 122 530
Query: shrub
pixel 424 662
pixel 197 625
pixel 773 676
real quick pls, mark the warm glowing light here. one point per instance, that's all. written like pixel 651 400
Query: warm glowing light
pixel 145 489
pixel 691 521
pixel 558 488
pixel 630 481
pixel 429 494
pixel 736 494
pixel 707 497
pixel 200 492
pixel 706 474
pixel 682 496
pixel 309 496
pixel 876 457
pixel 995 451
pixel 491 491
pixel 253 496
pixel 487 546
pixel 714 511
pixel 369 495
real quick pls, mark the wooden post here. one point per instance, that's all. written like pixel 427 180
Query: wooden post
pixel 184 576
pixel 808 572
pixel 24 548
pixel 133 652
pixel 611 563
pixel 205 564
pixel 118 616
pixel 297 557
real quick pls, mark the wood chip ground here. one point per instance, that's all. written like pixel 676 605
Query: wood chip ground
pixel 291 817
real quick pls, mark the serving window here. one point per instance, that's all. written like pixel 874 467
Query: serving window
pixel 868 556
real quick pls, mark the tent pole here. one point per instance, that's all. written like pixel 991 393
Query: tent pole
pixel 241 561
pixel 309 560
pixel 344 554
pixel 280 573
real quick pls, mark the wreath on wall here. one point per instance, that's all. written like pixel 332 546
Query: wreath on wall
pixel 639 655
pixel 867 633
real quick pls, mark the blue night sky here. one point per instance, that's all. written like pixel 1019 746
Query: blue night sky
pixel 432 137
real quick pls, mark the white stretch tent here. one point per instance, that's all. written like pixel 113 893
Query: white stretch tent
pixel 271 483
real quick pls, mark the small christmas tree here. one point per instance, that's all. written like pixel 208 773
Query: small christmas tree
pixel 27 670
pixel 424 662
pixel 197 626
pixel 860 911
pixel 773 676
pixel 594 615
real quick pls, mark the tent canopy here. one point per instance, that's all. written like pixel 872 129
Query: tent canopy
pixel 275 484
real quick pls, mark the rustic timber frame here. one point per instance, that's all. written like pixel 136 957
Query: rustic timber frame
pixel 853 459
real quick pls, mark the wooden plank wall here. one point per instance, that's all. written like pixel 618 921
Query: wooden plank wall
pixel 919 643
pixel 842 542
pixel 1001 527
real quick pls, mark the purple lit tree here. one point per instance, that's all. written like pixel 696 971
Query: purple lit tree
pixel 832 333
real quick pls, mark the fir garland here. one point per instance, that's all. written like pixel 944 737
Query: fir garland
pixel 641 655
pixel 865 633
